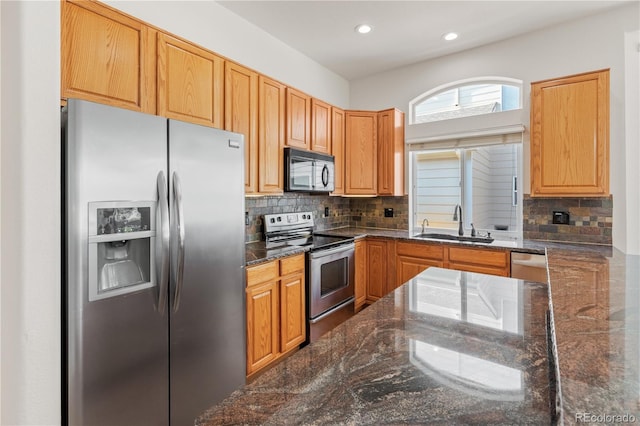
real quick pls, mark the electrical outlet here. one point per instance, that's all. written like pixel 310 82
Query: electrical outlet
pixel 560 218
pixel 326 212
pixel 388 212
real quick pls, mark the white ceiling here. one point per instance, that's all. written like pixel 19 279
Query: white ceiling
pixel 405 32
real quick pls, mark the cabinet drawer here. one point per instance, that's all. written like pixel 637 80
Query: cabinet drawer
pixel 262 273
pixel 478 257
pixel 424 251
pixel 291 264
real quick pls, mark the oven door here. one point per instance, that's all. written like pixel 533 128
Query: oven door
pixel 331 278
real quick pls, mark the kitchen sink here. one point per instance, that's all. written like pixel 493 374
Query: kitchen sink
pixel 437 236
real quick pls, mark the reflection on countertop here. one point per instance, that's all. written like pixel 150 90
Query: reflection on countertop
pixel 448 346
pixel 596 315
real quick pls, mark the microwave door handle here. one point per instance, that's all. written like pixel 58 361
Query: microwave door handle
pixel 325 176
pixel 177 196
pixel 313 174
pixel 162 243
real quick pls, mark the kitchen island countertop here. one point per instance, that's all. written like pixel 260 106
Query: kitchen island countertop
pixel 447 347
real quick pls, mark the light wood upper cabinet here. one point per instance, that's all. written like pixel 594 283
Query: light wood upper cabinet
pixel 107 57
pixel 337 148
pixel 271 131
pixel 241 116
pixel 570 136
pixel 391 152
pixel 190 82
pixel 298 119
pixel 361 158
pixel 320 126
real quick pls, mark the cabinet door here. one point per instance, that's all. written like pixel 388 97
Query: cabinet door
pixel 107 57
pixel 337 148
pixel 241 116
pixel 478 260
pixel 360 274
pixel 408 267
pixel 361 170
pixel 262 325
pixel 190 82
pixel 376 269
pixel 271 123
pixel 570 136
pixel 391 152
pixel 292 312
pixel 320 126
pixel 298 119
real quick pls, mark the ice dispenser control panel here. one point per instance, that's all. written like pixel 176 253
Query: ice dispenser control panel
pixel 121 247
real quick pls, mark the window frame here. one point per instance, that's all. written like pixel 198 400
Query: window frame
pixel 466 196
pixel 462 83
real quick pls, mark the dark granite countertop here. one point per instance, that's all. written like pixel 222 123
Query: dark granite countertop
pixel 595 316
pixel 256 252
pixel 448 347
pixel 595 298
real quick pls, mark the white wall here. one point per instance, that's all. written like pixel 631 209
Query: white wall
pixel 216 28
pixel 30 168
pixel 30 212
pixel 592 43
pixel 632 137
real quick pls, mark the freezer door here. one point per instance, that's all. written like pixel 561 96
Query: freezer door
pixel 116 354
pixel 206 295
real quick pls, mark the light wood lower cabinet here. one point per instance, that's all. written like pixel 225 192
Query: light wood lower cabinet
pixel 493 262
pixel 275 310
pixel 361 274
pixel 413 258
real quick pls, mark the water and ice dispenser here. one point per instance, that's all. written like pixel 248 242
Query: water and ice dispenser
pixel 121 247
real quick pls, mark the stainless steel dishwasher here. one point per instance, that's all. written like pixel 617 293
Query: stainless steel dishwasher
pixel 528 266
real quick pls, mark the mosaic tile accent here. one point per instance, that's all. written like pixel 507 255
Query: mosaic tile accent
pixel 369 212
pixel 590 220
pixel 343 211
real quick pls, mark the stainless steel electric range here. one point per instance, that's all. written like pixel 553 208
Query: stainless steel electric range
pixel 330 268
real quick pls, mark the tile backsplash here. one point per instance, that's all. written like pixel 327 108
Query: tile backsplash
pixel 591 219
pixel 362 212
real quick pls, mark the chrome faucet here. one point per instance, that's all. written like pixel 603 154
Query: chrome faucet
pixel 458 218
pixel 423 221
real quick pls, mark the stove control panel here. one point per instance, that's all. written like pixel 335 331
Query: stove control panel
pixel 287 221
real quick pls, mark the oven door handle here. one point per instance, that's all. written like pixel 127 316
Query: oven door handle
pixel 322 253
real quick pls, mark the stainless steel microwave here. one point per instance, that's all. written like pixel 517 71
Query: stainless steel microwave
pixel 307 171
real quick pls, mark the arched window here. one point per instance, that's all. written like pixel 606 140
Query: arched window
pixel 472 162
pixel 464 98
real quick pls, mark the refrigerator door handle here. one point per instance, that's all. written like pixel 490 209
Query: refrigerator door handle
pixel 162 243
pixel 177 196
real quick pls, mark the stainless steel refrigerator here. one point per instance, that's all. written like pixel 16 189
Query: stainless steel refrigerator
pixel 154 267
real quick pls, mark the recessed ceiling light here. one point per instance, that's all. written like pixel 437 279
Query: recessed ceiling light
pixel 450 36
pixel 363 28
